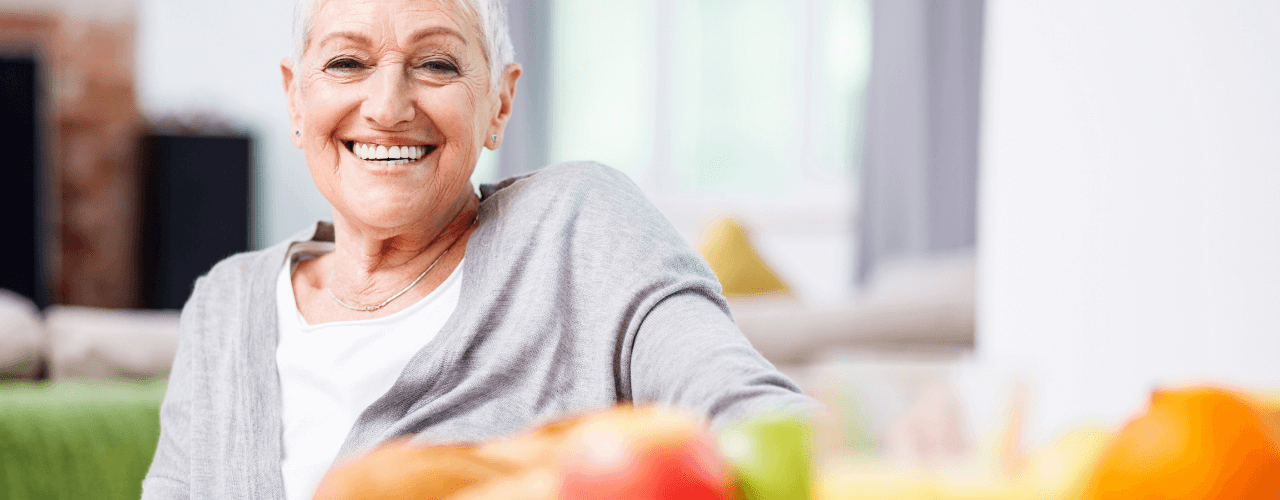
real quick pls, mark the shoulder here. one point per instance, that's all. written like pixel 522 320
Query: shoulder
pixel 572 189
pixel 562 178
pixel 222 289
pixel 587 174
pixel 588 215
pixel 244 266
pixel 236 266
pixel 244 274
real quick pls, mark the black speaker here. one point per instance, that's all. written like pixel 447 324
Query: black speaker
pixel 196 211
pixel 21 191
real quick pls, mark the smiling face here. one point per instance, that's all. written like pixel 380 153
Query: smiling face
pixel 393 100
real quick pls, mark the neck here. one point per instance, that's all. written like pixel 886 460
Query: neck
pixel 369 264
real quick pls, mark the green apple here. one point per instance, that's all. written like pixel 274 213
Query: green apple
pixel 771 456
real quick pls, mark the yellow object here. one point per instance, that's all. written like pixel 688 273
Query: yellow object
pixel 871 479
pixel 1198 443
pixel 865 478
pixel 740 269
pixel 1062 470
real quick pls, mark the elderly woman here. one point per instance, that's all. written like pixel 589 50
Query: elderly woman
pixel 424 308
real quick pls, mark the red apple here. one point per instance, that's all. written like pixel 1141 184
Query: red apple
pixel 642 454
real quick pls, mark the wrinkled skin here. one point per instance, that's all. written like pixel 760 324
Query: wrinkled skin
pixel 392 73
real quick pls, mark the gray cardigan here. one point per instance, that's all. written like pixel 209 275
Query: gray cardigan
pixel 577 295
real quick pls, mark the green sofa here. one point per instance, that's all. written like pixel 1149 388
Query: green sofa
pixel 77 440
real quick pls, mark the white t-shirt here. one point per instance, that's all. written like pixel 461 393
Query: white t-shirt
pixel 329 374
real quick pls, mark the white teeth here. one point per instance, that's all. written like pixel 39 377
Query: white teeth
pixel 395 155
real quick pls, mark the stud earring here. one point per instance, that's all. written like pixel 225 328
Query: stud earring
pixel 297 133
pixel 495 137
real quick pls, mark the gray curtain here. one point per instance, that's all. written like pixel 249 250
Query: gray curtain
pixel 524 143
pixel 920 173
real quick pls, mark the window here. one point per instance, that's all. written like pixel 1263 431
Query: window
pixel 751 108
pixel 714 105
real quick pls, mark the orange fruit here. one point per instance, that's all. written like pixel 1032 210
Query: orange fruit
pixel 1197 443
pixel 398 470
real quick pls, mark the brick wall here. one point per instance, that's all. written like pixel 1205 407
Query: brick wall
pixel 92 135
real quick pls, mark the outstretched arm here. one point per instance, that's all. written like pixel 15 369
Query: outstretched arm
pixel 689 353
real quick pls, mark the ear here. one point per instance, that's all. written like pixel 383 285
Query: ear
pixel 506 98
pixel 291 99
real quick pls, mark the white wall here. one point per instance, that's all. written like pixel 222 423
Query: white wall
pixel 224 56
pixel 1130 200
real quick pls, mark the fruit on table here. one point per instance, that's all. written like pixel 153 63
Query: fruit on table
pixel 1270 403
pixel 638 454
pixel 1196 443
pixel 642 454
pixel 771 456
pixel 398 470
pixel 1062 470
pixel 868 478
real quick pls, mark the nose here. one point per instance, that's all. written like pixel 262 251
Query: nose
pixel 389 102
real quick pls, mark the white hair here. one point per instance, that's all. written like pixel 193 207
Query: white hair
pixel 493 28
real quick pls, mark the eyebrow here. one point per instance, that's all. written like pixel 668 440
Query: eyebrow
pixel 350 35
pixel 438 30
pixel 417 35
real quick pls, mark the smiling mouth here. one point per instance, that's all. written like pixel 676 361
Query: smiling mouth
pixel 389 155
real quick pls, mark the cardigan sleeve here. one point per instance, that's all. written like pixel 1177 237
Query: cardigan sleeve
pixel 168 476
pixel 621 258
pixel 689 353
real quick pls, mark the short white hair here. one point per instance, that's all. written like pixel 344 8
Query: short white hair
pixel 493 28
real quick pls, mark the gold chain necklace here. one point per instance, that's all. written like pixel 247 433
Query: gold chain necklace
pixel 398 294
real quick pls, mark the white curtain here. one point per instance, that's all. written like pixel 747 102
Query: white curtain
pixel 920 173
pixel 524 144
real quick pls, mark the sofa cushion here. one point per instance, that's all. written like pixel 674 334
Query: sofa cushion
pixel 90 343
pixel 21 336
pixel 734 260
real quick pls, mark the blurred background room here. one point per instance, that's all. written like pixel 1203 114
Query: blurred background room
pixel 970 227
